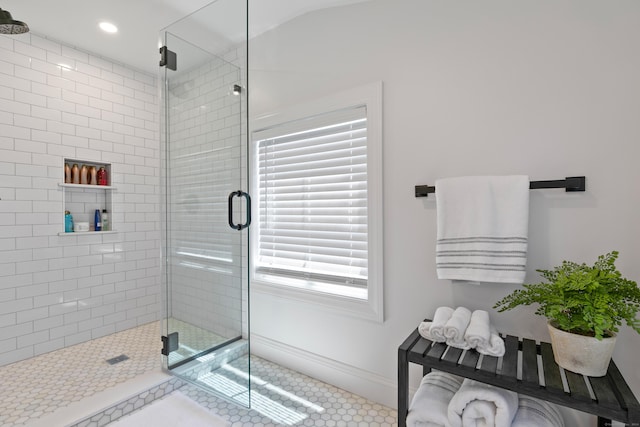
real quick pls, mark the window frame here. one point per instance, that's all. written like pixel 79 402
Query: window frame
pixel 371 307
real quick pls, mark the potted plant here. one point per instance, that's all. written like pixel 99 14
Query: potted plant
pixel 584 306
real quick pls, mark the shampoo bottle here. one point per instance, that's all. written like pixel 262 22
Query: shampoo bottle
pixel 75 174
pixel 105 220
pixel 97 220
pixel 93 176
pixel 103 178
pixel 68 222
pixel 84 173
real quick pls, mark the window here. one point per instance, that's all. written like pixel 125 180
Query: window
pixel 312 189
pixel 316 195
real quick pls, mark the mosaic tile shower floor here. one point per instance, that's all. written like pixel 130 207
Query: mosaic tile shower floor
pixel 39 386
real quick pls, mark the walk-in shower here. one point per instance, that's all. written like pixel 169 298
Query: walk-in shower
pixel 204 215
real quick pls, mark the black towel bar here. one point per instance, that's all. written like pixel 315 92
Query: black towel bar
pixel 572 183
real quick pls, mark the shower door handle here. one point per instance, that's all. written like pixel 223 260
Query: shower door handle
pixel 230 209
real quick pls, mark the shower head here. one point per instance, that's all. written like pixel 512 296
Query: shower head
pixel 9 26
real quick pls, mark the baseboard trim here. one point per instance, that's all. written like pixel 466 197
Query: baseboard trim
pixel 347 377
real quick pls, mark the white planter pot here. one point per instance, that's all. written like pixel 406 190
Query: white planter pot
pixel 580 354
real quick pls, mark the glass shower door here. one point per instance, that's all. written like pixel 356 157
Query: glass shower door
pixel 204 215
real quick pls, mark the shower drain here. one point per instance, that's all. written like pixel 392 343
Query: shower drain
pixel 117 359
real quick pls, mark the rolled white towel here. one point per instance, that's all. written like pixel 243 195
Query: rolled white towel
pixel 478 332
pixel 456 326
pixel 423 330
pixel 479 404
pixel 536 413
pixel 495 346
pixel 429 405
pixel 458 344
pixel 440 318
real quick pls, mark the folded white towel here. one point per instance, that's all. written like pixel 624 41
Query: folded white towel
pixel 440 318
pixel 482 228
pixel 478 332
pixel 429 405
pixel 537 413
pixel 479 413
pixel 495 345
pixel 478 404
pixel 456 326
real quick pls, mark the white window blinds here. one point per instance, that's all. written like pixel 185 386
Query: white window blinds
pixel 312 190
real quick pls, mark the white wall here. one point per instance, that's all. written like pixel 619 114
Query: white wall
pixel 56 291
pixel 544 88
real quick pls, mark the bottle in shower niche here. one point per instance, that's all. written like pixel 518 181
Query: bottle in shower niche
pixel 68 222
pixel 97 220
pixel 105 220
pixel 75 174
pixel 67 174
pixel 93 175
pixel 84 175
pixel 103 178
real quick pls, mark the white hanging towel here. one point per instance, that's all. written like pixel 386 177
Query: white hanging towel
pixel 483 226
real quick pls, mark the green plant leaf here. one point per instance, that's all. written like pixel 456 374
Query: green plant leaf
pixel 590 300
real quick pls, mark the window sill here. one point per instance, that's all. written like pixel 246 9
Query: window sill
pixel 360 308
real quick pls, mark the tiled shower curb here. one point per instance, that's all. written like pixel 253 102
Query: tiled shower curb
pixel 129 405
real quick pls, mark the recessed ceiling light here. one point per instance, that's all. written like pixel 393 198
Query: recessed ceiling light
pixel 108 27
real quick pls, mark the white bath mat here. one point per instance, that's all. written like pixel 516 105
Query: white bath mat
pixel 175 410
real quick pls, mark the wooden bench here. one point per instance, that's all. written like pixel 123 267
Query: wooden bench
pixel 608 397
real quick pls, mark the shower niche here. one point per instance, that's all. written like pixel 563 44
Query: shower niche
pixel 82 200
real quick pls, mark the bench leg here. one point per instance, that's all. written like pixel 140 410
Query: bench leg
pixel 403 388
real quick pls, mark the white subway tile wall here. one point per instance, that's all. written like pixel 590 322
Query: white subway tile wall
pixel 56 291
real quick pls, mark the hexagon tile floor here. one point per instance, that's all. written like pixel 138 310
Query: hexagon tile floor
pixel 37 387
pixel 282 397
